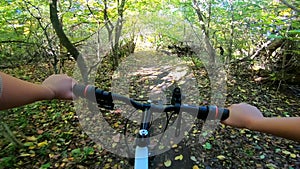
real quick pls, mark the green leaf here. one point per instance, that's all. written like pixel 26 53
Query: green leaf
pixel 31 138
pixel 76 152
pixel 294 31
pixel 45 166
pixel 275 37
pixel 193 158
pixel 271 166
pixel 286 152
pixel 25 155
pixel 42 144
pixel 88 150
pixel 221 157
pixel 293 155
pixel 262 157
pixel 207 146
pixel 28 144
pixel 168 163
pixel 180 157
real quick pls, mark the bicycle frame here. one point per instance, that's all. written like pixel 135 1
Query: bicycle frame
pixel 142 142
pixel 141 158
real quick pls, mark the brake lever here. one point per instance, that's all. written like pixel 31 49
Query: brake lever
pixel 176 101
pixel 104 100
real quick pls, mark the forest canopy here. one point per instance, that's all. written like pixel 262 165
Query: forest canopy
pixel 263 32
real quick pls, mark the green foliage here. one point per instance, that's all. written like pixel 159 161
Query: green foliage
pixel 76 152
pixel 45 166
pixel 246 23
pixel 7 162
pixel 81 155
pixel 207 146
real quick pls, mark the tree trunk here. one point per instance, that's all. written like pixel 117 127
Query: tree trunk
pixel 209 48
pixel 115 41
pixel 230 47
pixel 66 42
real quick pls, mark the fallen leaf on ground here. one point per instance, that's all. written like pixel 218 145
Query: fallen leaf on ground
pixel 168 163
pixel 221 157
pixel 180 157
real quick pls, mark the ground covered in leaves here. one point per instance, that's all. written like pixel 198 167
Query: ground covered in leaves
pixel 51 136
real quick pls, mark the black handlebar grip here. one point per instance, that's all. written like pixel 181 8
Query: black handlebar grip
pixel 212 112
pixel 225 114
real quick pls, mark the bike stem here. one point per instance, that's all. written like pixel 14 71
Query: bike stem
pixel 144 134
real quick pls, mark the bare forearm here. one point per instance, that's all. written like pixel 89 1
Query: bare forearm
pixel 283 127
pixel 16 92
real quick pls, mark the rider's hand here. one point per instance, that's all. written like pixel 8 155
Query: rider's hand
pixel 60 86
pixel 243 115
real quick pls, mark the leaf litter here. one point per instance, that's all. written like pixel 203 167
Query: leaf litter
pixel 53 138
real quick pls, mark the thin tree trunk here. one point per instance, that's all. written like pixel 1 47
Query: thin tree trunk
pixel 208 19
pixel 230 47
pixel 205 31
pixel 290 6
pixel 200 17
pixel 66 42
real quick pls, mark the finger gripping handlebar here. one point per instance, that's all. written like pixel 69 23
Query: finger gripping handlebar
pixel 105 99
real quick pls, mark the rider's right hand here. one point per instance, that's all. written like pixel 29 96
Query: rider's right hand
pixel 243 115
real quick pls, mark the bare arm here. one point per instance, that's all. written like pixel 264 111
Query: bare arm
pixel 246 116
pixel 16 92
pixel 286 127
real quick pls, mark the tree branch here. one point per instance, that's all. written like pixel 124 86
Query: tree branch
pixel 290 6
pixel 201 17
pixel 17 41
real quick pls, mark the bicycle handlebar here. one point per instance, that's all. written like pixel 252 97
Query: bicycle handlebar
pixel 105 100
